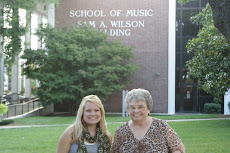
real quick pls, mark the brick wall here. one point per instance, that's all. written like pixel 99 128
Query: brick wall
pixel 148 33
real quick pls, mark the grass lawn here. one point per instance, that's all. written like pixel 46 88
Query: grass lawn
pixel 204 136
pixel 50 120
pixel 198 136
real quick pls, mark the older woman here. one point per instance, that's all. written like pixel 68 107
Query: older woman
pixel 144 134
pixel 89 132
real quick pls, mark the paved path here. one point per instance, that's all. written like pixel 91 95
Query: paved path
pixel 179 120
pixel 29 126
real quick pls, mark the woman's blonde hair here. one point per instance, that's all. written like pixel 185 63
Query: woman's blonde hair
pixel 78 125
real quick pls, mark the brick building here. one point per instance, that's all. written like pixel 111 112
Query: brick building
pixel 152 27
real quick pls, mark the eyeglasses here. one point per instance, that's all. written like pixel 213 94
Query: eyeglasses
pixel 139 108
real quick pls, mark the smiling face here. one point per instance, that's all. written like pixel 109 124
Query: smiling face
pixel 138 110
pixel 91 114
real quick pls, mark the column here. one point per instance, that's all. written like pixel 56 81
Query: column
pixel 51 14
pixel 27 80
pixel 51 21
pixel 171 56
pixel 226 101
pixel 1 65
pixel 14 81
pixel 1 69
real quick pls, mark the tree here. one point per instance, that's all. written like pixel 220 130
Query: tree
pixel 221 15
pixel 14 30
pixel 9 15
pixel 211 61
pixel 11 31
pixel 78 61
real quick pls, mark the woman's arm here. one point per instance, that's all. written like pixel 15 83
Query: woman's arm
pixel 65 140
pixel 116 142
pixel 174 142
pixel 179 149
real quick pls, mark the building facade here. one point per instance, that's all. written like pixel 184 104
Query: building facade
pixel 142 24
pixel 159 30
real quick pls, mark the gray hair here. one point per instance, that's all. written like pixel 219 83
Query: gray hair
pixel 137 95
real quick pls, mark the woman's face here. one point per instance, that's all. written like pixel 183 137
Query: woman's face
pixel 91 114
pixel 138 110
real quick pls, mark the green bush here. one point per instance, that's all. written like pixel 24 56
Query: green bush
pixel 3 109
pixel 212 108
pixel 6 122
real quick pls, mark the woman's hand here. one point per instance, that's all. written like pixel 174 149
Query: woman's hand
pixel 179 149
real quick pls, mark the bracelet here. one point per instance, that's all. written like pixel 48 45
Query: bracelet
pixel 180 150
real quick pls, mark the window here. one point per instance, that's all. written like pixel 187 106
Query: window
pixel 189 29
pixel 185 31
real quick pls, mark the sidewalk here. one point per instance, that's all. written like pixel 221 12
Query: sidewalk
pixel 29 126
pixel 179 120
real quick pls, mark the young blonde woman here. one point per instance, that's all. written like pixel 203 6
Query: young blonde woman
pixel 89 132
